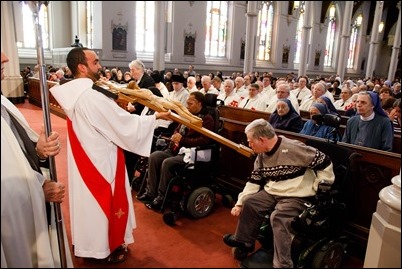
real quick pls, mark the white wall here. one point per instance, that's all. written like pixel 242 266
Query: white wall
pixel 186 17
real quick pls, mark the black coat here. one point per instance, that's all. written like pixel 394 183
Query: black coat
pixel 145 82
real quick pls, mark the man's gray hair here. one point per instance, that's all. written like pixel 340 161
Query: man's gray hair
pixel 137 64
pixel 260 128
pixel 230 82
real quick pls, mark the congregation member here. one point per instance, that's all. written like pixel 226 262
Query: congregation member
pixel 302 91
pixel 282 92
pixel 285 177
pixel 285 117
pixel 253 100
pixel 371 127
pixel 207 86
pixel 162 164
pixel 344 100
pixel 318 128
pixel 228 95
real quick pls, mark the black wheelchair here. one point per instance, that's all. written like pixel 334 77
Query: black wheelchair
pixel 319 240
pixel 193 190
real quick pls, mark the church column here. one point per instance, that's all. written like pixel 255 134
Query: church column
pixel 12 85
pixel 343 51
pixel 396 46
pixel 374 39
pixel 160 29
pixel 251 33
pixel 384 242
pixel 305 38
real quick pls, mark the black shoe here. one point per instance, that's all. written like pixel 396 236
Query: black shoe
pixel 231 242
pixel 145 197
pixel 156 204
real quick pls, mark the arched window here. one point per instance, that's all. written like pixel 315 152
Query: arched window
pixel 145 16
pixel 217 24
pixel 353 41
pixel 89 8
pixel 299 30
pixel 29 27
pixel 329 44
pixel 265 23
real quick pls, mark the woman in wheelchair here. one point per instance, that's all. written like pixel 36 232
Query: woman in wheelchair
pixel 163 165
pixel 285 176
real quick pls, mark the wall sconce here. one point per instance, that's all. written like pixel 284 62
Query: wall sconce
pixel 298 6
pixel 381 27
pixel 359 20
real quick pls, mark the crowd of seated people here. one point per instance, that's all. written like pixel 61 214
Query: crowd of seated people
pixel 262 90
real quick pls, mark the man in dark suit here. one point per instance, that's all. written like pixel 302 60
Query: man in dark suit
pixel 137 70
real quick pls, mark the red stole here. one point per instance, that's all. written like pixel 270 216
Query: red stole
pixel 115 206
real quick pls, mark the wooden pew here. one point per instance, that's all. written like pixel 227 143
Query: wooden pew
pixel 35 96
pixel 371 172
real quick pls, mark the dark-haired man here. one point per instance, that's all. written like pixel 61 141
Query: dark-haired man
pixel 162 164
pixel 102 213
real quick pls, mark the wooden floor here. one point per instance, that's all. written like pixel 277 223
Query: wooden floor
pixel 191 243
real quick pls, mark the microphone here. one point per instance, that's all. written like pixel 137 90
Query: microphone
pixel 327 119
pixel 332 120
pixel 318 118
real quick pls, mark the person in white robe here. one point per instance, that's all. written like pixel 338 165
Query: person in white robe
pixel 27 239
pixel 252 101
pixel 228 95
pixel 98 130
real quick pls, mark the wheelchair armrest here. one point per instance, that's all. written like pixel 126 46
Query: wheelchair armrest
pixel 189 166
pixel 209 146
pixel 211 155
pixel 323 187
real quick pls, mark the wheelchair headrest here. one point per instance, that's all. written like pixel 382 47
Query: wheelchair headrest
pixel 210 99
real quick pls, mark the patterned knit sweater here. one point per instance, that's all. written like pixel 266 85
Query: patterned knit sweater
pixel 290 169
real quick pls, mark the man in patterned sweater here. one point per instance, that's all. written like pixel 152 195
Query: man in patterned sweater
pixel 285 176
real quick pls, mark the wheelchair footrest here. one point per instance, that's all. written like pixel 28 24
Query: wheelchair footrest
pixel 262 258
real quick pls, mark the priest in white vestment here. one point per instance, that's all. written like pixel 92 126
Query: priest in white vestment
pixel 98 129
pixel 27 239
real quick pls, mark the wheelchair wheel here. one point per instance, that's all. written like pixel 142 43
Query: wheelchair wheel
pixel 329 256
pixel 200 202
pixel 227 201
pixel 239 254
pixel 169 218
